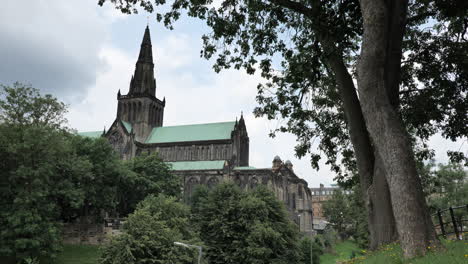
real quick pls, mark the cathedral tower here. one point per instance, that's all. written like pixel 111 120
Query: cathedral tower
pixel 140 107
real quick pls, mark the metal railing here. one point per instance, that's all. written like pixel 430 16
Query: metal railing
pixel 451 221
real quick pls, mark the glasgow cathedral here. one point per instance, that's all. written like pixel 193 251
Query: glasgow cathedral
pixel 199 153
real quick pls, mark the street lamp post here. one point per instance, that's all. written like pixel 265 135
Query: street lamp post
pixel 191 246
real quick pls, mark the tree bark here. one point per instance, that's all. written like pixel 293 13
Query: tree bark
pixel 382 227
pixel 372 179
pixel 374 187
pixel 386 129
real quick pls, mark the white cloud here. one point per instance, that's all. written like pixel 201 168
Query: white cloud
pixel 98 108
pixel 51 44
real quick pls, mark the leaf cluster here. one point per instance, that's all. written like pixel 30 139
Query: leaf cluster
pixel 245 226
pixel 346 212
pixel 149 234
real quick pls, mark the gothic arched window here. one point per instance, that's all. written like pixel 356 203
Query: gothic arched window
pixel 190 187
pixel 253 182
pixel 293 201
pixel 129 113
pixel 139 107
pixel 238 181
pixel 135 111
pixel 212 182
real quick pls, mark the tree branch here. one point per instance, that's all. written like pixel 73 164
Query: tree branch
pixel 295 6
pixel 420 17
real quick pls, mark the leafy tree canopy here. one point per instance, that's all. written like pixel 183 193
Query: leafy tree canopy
pixel 150 232
pixel 347 214
pixel 145 175
pixel 35 172
pixel 245 226
pixel 446 185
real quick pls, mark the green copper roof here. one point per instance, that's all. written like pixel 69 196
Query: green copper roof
pixel 127 126
pixel 92 134
pixel 197 165
pixel 197 132
pixel 245 168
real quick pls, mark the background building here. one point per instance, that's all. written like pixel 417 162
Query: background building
pixel 199 153
pixel 319 196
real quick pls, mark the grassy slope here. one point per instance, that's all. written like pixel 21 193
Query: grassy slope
pixel 343 252
pixel 78 254
pixel 455 252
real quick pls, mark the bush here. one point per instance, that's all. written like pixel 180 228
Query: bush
pixel 245 226
pixel 150 232
pixel 317 250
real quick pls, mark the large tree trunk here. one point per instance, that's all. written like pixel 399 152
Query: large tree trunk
pixel 382 227
pixel 390 138
pixel 373 184
pixel 372 180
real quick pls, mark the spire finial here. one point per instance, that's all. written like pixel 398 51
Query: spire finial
pixel 147 21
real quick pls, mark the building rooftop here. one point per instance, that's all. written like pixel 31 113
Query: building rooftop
pixel 245 168
pixel 196 132
pixel 127 126
pixel 91 134
pixel 197 165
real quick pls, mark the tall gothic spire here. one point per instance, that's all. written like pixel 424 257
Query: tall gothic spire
pixel 146 54
pixel 143 81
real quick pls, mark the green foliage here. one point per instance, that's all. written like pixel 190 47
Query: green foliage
pixel 23 105
pixel 446 186
pixel 306 250
pixel 245 226
pixel 100 171
pixel 150 232
pixel 145 175
pixel 35 155
pixel 347 214
pixel 340 252
pixel 49 175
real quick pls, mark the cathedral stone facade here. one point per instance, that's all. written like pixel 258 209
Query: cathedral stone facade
pixel 200 153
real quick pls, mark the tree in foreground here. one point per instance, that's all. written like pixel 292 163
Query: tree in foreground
pixel 145 175
pixel 245 226
pixel 324 48
pixel 34 154
pixel 149 234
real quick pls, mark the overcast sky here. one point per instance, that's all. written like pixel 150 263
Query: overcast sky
pixel 84 54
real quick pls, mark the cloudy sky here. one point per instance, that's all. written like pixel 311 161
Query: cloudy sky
pixel 84 54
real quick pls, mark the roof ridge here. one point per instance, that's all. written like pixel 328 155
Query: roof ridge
pixel 225 122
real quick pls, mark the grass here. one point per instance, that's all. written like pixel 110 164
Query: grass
pixel 455 252
pixel 343 252
pixel 78 254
